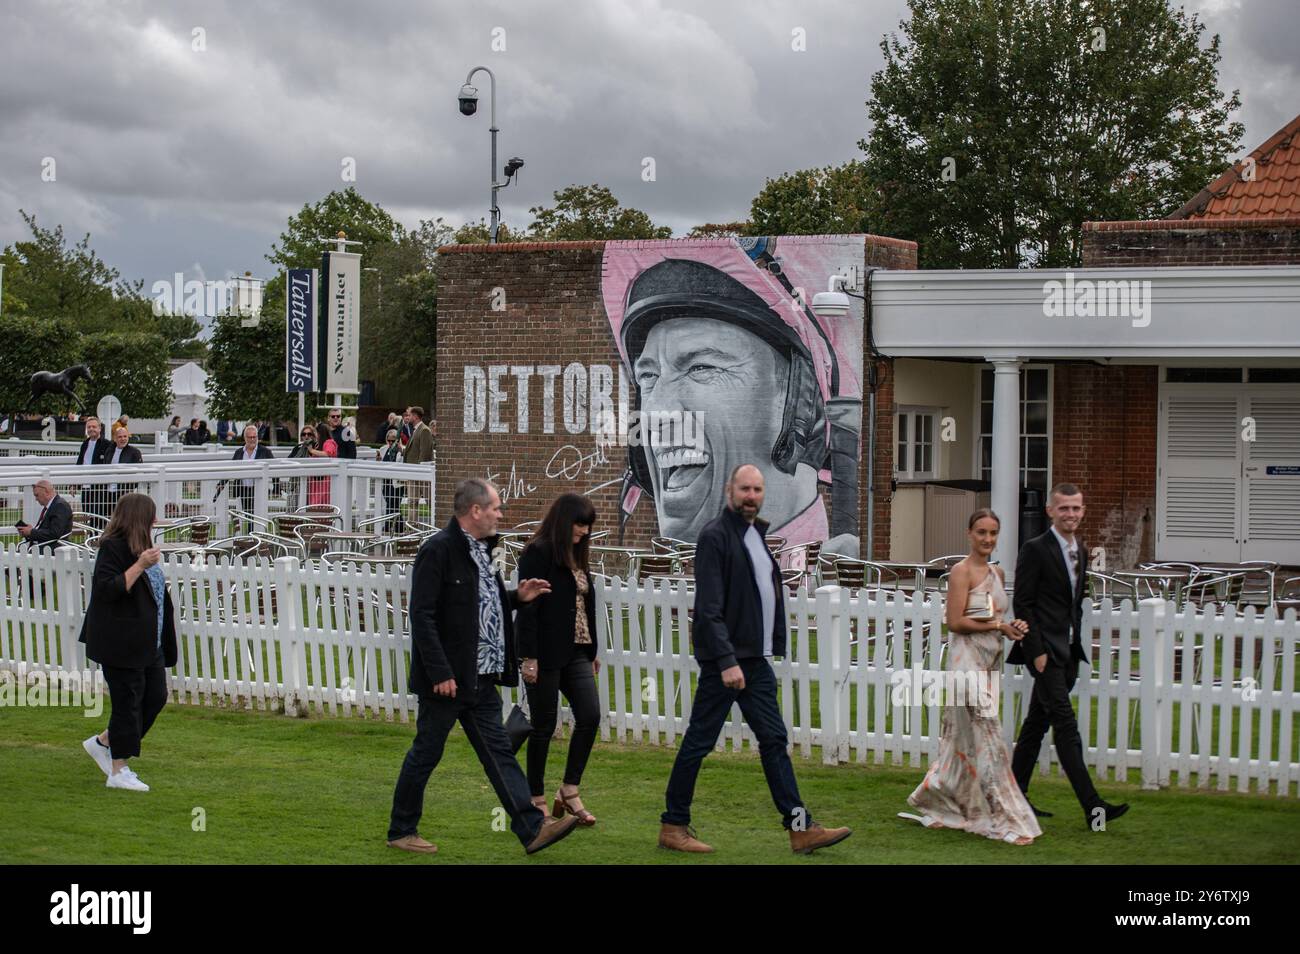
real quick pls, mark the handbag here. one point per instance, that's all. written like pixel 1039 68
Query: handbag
pixel 980 605
pixel 518 728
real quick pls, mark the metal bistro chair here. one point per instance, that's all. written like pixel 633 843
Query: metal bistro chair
pixel 308 534
pixel 666 545
pixel 648 565
pixel 1221 589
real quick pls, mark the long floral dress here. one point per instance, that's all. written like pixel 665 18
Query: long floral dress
pixel 969 784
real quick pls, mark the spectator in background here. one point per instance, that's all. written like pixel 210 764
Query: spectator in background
pixel 306 441
pixel 391 454
pixel 191 436
pixel 223 430
pixel 174 430
pixel 318 488
pixel 253 449
pixel 93 450
pixel 404 433
pixel 344 437
pixel 418 451
pixel 122 453
pixel 393 421
pixel 54 522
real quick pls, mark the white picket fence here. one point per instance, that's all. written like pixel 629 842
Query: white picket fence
pixel 1209 698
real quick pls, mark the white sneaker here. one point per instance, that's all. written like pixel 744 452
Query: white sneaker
pixel 126 779
pixel 99 753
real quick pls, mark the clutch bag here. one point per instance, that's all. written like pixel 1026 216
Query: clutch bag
pixel 980 605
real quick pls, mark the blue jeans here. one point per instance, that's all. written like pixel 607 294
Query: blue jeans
pixel 478 709
pixel 709 713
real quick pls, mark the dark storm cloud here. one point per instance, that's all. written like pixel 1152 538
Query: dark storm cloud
pixel 179 160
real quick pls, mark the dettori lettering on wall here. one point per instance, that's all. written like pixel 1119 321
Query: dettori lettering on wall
pixel 592 399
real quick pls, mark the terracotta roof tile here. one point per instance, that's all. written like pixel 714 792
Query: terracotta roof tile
pixel 1272 192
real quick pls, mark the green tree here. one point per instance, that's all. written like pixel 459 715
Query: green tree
pixel 832 200
pixel 721 230
pixel 999 126
pixel 132 366
pixel 480 233
pixel 46 277
pixel 246 367
pixel 591 212
pixel 347 211
pixel 31 345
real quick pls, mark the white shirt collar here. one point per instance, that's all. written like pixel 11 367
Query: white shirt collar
pixel 1066 546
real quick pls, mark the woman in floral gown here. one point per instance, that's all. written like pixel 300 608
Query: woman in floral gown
pixel 969 784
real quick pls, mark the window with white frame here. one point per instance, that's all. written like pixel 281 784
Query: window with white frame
pixel 917 455
pixel 1035 429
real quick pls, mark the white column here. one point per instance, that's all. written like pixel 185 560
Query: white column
pixel 1005 477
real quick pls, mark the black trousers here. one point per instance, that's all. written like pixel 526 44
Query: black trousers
pixel 577 681
pixel 1049 706
pixel 137 695
pixel 478 709
pixel 709 713
pixel 392 504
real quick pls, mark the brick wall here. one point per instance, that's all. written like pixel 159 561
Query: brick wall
pixel 1104 440
pixel 1171 243
pixel 554 314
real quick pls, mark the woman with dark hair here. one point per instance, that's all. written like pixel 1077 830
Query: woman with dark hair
pixel 556 634
pixel 318 488
pixel 969 784
pixel 130 630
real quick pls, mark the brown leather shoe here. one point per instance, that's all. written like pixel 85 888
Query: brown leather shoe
pixel 414 843
pixel 815 836
pixel 553 829
pixel 681 838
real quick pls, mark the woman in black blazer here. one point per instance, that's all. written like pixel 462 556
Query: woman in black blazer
pixel 556 634
pixel 130 630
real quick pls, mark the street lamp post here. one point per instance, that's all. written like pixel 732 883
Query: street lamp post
pixel 469 106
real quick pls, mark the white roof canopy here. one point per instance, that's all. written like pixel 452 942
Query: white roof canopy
pixel 1216 312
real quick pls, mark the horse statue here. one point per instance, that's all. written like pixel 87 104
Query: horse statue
pixel 47 382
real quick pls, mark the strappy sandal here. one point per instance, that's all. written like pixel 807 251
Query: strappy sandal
pixel 539 802
pixel 564 803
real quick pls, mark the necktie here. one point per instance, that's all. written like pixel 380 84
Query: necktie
pixel 41 518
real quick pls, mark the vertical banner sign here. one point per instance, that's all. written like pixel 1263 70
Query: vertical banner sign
pixel 300 331
pixel 341 308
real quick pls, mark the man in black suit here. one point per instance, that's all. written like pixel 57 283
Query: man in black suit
pixel 1048 595
pixel 54 522
pixel 121 452
pixel 462 648
pixel 93 450
pixel 253 449
pixel 739 623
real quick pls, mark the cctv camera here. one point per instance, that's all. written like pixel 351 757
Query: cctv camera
pixel 513 166
pixel 468 100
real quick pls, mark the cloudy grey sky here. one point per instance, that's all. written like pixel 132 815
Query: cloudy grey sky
pixel 181 160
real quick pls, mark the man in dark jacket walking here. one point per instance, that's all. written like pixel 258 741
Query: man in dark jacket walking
pixel 462 648
pixel 739 623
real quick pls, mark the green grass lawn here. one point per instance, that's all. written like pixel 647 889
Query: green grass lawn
pixel 281 790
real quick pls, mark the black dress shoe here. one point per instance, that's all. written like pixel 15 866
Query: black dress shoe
pixel 1111 813
pixel 1038 811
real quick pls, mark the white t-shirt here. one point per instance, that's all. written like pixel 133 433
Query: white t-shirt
pixel 759 556
pixel 249 455
pixel 117 456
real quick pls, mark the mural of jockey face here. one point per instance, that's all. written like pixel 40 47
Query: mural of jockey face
pixel 733 383
pixel 720 335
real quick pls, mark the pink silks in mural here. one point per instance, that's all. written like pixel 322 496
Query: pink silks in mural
pixel 733 360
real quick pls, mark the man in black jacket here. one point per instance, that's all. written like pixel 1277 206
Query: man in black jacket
pixel 462 648
pixel 1048 595
pixel 93 450
pixel 253 449
pixel 54 522
pixel 739 623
